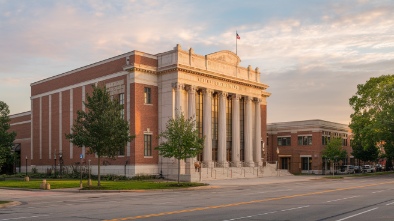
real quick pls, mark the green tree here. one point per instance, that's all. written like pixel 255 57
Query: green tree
pixel 367 153
pixel 6 138
pixel 181 139
pixel 372 122
pixel 334 150
pixel 101 127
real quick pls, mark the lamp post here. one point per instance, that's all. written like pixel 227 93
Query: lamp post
pixel 54 157
pixel 26 165
pixel 89 181
pixel 277 160
pixel 61 164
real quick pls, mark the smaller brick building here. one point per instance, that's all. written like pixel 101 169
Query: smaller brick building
pixel 298 145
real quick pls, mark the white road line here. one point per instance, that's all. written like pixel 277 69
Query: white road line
pixel 23 217
pixel 341 199
pixel 164 203
pixel 294 208
pixel 388 204
pixel 274 191
pixel 357 214
pixel 261 214
pixel 378 191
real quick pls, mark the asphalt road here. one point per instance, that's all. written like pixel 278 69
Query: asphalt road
pixel 368 198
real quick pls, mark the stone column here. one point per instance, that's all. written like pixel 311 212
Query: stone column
pixel 248 132
pixel 207 127
pixel 236 132
pixel 191 101
pixel 178 88
pixel 222 129
pixel 191 108
pixel 257 141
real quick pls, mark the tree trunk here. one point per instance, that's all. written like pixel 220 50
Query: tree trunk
pixel 179 169
pixel 98 171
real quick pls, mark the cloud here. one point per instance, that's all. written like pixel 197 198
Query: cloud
pixel 311 54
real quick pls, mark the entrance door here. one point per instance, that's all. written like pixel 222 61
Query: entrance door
pixel 285 163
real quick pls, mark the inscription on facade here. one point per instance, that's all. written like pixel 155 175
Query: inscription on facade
pixel 218 83
pixel 116 87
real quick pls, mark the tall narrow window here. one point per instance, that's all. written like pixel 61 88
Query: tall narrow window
pixel 229 129
pixel 121 102
pixel 242 128
pixel 147 145
pixel 199 118
pixel 215 112
pixel 147 95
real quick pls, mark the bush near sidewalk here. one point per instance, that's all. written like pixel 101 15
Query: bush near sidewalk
pixel 105 185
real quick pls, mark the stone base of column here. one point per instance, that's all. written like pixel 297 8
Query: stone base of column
pixel 236 164
pixel 248 164
pixel 208 164
pixel 259 164
pixel 224 164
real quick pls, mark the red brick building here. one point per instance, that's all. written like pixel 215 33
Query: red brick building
pixel 229 103
pixel 298 145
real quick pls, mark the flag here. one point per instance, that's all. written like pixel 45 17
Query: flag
pixel 238 36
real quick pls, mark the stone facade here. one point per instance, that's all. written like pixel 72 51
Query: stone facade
pixel 229 100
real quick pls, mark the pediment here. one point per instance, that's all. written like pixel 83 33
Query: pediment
pixel 225 57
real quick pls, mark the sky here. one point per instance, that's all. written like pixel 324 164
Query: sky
pixel 311 53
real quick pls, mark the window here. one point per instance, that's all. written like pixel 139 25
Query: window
pixel 304 140
pixel 325 140
pixel 121 102
pixel 215 126
pixel 229 125
pixel 344 142
pixel 284 141
pixel 241 128
pixel 147 145
pixel 121 151
pixel 147 95
pixel 306 163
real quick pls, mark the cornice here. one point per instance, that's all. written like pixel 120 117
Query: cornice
pixel 211 74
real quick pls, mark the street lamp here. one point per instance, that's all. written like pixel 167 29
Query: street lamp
pixel 89 181
pixel 277 160
pixel 61 164
pixel 26 165
pixel 54 157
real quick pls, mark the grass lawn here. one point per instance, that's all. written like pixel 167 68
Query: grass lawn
pixel 105 185
pixel 4 202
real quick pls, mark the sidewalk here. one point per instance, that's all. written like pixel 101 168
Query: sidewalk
pixel 260 181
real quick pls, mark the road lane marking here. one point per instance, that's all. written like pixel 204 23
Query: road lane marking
pixel 245 217
pixel 245 203
pixel 357 214
pixel 23 217
pixel 273 191
pixel 378 191
pixel 341 199
pixel 388 204
pixel 294 208
pixel 262 214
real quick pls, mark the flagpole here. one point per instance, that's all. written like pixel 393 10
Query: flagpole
pixel 236 43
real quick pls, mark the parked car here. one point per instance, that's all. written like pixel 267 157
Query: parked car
pixel 368 169
pixel 346 169
pixel 358 169
pixel 379 168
